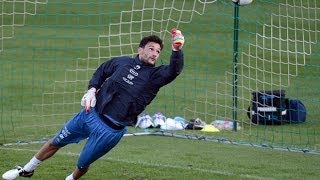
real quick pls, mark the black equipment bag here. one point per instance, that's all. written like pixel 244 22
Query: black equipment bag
pixel 268 107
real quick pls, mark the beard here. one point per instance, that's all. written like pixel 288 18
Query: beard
pixel 145 61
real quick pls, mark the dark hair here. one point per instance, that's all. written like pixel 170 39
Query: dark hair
pixel 152 38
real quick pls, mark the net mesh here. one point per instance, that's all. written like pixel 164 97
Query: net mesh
pixel 49 50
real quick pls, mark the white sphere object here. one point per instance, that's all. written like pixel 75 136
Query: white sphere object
pixel 242 2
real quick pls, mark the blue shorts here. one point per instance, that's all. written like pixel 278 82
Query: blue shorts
pixel 101 137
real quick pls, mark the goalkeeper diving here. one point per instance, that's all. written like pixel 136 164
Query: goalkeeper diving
pixel 119 90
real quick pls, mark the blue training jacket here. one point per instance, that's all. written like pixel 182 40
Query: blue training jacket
pixel 126 86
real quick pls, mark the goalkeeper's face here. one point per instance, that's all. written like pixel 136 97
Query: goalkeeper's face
pixel 149 54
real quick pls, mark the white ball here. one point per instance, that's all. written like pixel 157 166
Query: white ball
pixel 242 2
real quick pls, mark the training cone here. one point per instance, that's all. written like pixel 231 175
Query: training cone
pixel 209 128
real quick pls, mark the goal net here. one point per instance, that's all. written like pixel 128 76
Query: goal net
pixel 49 50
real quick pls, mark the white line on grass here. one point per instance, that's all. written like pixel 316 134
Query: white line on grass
pixel 154 164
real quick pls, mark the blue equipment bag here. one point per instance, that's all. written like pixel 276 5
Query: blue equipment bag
pixel 296 111
pixel 272 108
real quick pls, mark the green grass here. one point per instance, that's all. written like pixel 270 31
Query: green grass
pixel 152 157
pixel 45 66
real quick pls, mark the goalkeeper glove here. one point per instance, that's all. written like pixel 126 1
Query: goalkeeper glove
pixel 177 39
pixel 89 99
